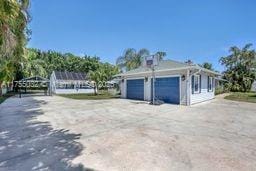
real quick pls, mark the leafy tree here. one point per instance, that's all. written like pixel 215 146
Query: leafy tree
pixel 109 71
pixel 240 67
pixel 103 74
pixel 14 17
pixel 6 72
pixel 44 63
pixel 207 65
pixel 34 66
pixel 13 22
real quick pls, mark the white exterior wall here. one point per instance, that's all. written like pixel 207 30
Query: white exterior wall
pixel 186 97
pixel 123 89
pixel 147 84
pixel 204 95
pixel 183 92
pixel 147 89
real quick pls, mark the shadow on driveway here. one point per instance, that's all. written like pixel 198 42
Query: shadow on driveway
pixel 31 145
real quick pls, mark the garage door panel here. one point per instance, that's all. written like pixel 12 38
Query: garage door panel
pixel 135 89
pixel 167 89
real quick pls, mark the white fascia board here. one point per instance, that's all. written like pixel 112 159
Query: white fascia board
pixel 158 71
pixel 172 69
pixel 209 71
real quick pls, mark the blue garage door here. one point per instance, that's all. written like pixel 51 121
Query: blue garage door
pixel 135 89
pixel 167 89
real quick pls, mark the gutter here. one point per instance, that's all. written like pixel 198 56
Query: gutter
pixel 207 70
pixel 149 72
pixel 173 69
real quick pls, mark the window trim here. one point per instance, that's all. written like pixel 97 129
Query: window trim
pixel 210 83
pixel 198 91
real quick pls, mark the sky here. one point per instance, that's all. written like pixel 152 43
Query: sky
pixel 199 30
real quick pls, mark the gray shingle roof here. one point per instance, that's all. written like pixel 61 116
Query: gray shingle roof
pixel 65 75
pixel 165 65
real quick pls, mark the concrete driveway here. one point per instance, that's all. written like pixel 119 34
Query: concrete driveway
pixel 55 133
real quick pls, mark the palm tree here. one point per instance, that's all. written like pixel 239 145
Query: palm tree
pixel 13 36
pixel 34 66
pixel 161 55
pixel 131 58
pixel 13 21
pixel 97 76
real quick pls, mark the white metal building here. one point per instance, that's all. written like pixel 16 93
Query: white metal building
pixel 176 82
pixel 254 86
pixel 70 83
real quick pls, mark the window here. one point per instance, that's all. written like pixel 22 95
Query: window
pixel 196 84
pixel 210 83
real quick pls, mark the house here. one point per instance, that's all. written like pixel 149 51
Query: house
pixel 176 83
pixel 70 83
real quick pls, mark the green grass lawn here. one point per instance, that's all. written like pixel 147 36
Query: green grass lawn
pixel 99 96
pixel 245 97
pixel 4 97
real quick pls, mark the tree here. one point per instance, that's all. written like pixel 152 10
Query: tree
pixel 161 55
pixel 43 63
pixel 207 65
pixel 6 72
pixel 104 73
pixel 34 66
pixel 96 76
pixel 131 58
pixel 13 36
pixel 14 17
pixel 240 67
